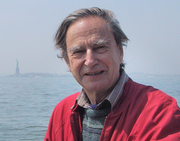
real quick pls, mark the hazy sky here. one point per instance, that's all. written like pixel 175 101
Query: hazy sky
pixel 27 29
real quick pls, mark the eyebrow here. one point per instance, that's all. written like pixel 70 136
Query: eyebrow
pixel 103 41
pixel 99 42
pixel 74 48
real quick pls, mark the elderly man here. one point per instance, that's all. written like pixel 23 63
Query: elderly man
pixel 110 106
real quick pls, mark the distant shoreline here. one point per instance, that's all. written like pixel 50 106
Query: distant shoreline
pixel 34 75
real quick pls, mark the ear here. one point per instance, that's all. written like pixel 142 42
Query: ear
pixel 67 62
pixel 121 53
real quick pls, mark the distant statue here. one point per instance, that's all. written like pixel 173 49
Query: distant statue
pixel 17 68
pixel 17 64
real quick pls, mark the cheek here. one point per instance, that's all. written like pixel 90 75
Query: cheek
pixel 75 66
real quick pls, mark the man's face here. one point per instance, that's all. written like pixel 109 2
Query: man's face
pixel 93 56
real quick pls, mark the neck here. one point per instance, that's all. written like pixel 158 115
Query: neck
pixel 96 97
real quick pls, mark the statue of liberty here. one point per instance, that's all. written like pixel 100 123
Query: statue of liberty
pixel 17 68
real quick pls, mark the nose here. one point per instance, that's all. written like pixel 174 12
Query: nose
pixel 90 59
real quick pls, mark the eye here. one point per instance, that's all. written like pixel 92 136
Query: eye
pixel 78 53
pixel 100 49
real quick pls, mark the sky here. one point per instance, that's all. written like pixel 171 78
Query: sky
pixel 28 27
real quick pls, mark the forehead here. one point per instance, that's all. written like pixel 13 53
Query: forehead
pixel 90 29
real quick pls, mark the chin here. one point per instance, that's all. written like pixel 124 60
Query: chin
pixel 95 87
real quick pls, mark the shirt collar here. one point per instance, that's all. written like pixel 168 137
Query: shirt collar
pixel 112 98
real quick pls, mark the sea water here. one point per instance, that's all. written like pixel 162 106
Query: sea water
pixel 26 104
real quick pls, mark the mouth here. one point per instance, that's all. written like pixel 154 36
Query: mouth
pixel 94 73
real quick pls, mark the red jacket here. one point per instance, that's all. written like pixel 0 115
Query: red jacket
pixel 142 114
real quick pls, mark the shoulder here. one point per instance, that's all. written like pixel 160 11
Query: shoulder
pixel 60 116
pixel 149 92
pixel 138 88
pixel 148 99
pixel 157 113
pixel 63 110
